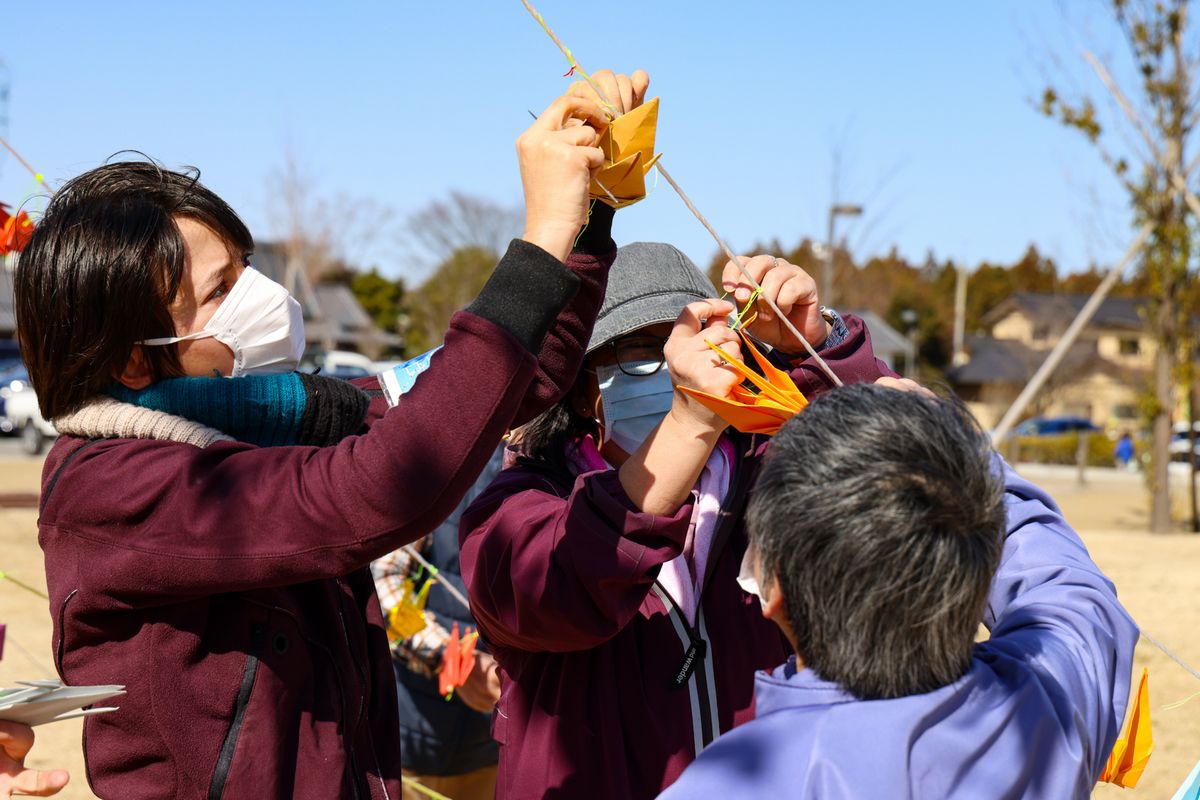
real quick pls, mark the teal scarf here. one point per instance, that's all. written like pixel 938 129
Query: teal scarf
pixel 265 410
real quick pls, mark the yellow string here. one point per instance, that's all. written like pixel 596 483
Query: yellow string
pixel 1181 703
pixel 422 788
pixel 25 586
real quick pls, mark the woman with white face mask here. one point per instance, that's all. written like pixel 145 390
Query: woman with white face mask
pixel 208 514
pixel 602 567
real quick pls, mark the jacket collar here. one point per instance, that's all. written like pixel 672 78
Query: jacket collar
pixel 788 687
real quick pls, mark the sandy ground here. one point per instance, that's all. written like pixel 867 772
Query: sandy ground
pixel 1157 577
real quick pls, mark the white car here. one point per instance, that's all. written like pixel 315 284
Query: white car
pixel 1181 442
pixel 21 411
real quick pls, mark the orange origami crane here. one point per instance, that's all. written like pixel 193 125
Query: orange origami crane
pixel 628 145
pixel 776 401
pixel 14 231
pixel 1132 750
pixel 457 662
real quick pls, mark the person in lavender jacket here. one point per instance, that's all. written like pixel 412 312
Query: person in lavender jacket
pixel 883 529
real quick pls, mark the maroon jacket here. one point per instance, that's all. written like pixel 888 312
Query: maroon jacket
pixel 226 587
pixel 561 573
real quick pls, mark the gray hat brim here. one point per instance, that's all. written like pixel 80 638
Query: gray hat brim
pixel 638 313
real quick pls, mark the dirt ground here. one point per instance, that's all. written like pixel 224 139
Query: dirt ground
pixel 1157 577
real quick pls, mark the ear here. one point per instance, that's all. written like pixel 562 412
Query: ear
pixel 136 374
pixel 772 606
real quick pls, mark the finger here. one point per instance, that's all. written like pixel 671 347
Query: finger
pixel 581 136
pixel 595 157
pixel 566 107
pixel 641 83
pixel 607 81
pixel 798 290
pixel 625 92
pixel 38 783
pixel 694 315
pixel 755 267
pixel 904 385
pixel 15 739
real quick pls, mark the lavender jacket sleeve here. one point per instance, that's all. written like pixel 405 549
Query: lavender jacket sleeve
pixel 1051 606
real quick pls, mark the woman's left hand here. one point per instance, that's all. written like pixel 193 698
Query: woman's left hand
pixel 15 742
pixel 694 364
pixel 792 289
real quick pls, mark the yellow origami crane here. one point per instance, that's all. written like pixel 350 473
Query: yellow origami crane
pixel 776 401
pixel 1132 750
pixel 407 617
pixel 628 146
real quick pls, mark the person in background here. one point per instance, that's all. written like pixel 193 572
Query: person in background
pixel 16 740
pixel 1123 453
pixel 209 515
pixel 602 568
pixel 883 529
pixel 446 746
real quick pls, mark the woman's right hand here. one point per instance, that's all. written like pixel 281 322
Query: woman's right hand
pixel 558 155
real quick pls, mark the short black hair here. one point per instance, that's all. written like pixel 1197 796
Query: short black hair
pixel 881 515
pixel 100 271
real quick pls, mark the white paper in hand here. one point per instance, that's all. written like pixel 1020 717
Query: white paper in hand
pixel 39 702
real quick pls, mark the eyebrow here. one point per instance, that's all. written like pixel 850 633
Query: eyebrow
pixel 214 278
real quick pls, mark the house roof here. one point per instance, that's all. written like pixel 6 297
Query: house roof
pixel 1114 312
pixel 885 340
pixel 1010 361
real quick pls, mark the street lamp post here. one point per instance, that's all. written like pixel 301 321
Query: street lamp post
pixel 835 211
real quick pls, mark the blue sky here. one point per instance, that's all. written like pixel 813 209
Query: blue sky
pixel 397 103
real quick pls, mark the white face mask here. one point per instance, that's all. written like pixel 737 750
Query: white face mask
pixel 260 322
pixel 634 405
pixel 746 577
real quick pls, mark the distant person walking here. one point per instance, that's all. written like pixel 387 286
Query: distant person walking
pixel 1124 453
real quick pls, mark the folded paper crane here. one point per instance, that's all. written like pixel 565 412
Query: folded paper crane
pixel 628 146
pixel 764 411
pixel 407 617
pixel 458 659
pixel 1132 750
pixel 15 230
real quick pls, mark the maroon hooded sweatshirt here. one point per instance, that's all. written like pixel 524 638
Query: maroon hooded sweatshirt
pixel 608 690
pixel 227 589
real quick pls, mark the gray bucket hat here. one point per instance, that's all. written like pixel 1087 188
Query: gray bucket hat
pixel 649 283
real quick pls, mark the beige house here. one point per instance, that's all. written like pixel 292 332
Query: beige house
pixel 1100 377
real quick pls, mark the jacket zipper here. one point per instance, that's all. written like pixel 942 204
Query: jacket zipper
pixel 337 671
pixel 225 759
pixel 694 671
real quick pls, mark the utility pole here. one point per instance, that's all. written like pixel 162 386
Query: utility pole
pixel 835 211
pixel 959 356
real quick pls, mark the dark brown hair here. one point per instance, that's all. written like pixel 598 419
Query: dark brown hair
pixel 100 271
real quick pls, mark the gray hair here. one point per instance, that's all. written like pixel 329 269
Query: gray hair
pixel 882 517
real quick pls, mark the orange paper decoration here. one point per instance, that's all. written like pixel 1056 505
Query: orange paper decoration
pixel 628 145
pixel 1132 750
pixel 776 401
pixel 14 230
pixel 458 660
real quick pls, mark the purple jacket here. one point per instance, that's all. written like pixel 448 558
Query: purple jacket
pixel 561 573
pixel 1034 717
pixel 227 587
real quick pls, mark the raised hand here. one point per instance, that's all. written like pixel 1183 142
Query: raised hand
pixel 694 364
pixel 625 92
pixel 792 289
pixel 558 154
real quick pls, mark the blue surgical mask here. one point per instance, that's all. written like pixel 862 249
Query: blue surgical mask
pixel 634 404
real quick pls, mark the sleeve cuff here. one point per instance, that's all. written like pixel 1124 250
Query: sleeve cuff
pixel 525 293
pixel 596 236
